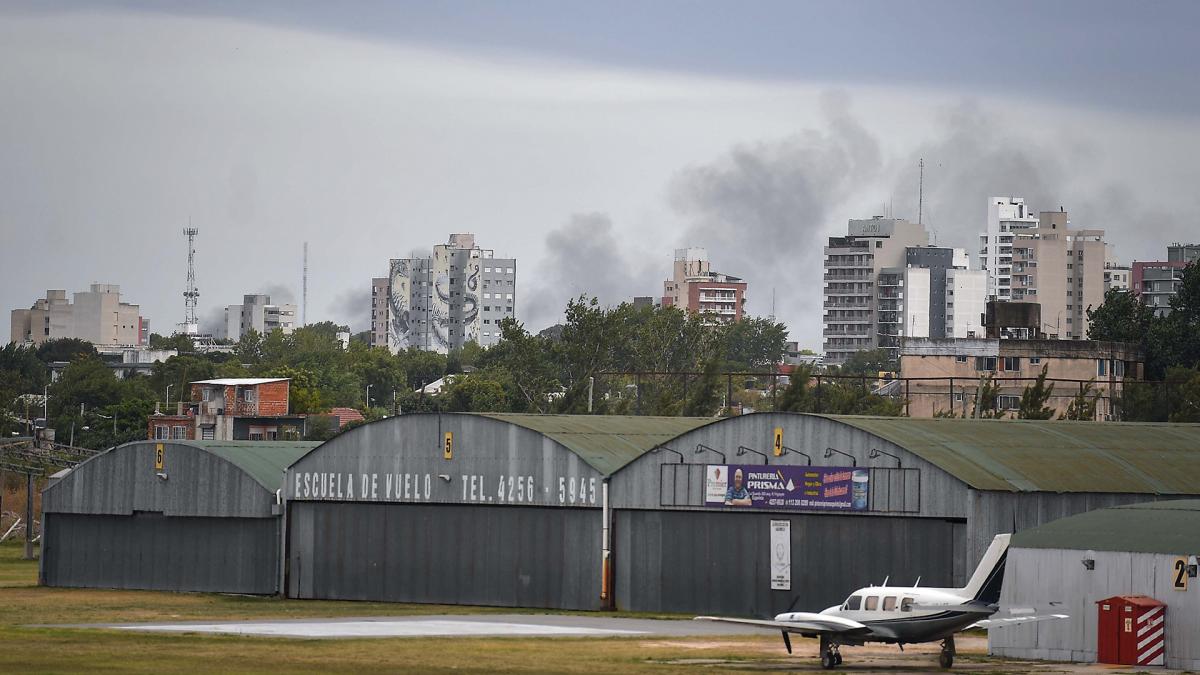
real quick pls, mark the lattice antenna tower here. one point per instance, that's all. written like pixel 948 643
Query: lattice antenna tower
pixel 191 295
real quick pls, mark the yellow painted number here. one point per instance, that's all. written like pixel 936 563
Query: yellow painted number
pixel 1179 574
pixel 778 444
pixel 448 445
pixel 158 456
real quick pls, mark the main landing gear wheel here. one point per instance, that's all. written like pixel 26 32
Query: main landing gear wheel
pixel 831 656
pixel 946 658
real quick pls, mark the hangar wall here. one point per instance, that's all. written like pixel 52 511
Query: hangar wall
pixel 720 562
pixel 200 516
pixel 512 518
pixel 515 556
pixel 673 553
pixel 991 512
pixel 155 552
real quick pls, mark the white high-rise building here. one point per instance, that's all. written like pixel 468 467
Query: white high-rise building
pixel 1005 217
pixel 257 313
pixel 457 295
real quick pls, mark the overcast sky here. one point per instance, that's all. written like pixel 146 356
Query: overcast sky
pixel 586 139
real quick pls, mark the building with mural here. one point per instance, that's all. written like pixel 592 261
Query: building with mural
pixel 457 294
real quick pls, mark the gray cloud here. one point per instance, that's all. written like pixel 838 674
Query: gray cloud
pixel 212 321
pixel 351 307
pixel 280 293
pixel 763 209
pixel 585 257
pixel 976 155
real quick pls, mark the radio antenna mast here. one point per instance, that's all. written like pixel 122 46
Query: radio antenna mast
pixel 191 295
pixel 304 290
pixel 921 193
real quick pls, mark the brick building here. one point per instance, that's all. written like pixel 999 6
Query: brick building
pixel 695 287
pixel 232 409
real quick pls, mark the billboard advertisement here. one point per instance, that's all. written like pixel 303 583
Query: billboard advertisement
pixel 817 488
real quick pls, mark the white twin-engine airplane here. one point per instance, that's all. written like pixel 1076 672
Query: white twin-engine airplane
pixel 906 614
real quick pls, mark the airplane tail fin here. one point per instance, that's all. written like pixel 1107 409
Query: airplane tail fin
pixel 985 583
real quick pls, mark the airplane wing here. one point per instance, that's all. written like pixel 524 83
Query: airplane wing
pixel 801 622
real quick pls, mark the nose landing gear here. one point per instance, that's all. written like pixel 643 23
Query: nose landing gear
pixel 831 655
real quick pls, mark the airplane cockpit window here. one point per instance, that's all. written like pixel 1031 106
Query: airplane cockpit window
pixel 853 602
pixel 872 603
pixel 889 603
pixel 906 605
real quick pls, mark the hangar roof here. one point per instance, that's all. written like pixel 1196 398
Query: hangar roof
pixel 605 442
pixel 1050 456
pixel 1155 527
pixel 264 461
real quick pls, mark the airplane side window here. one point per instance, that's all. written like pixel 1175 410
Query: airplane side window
pixel 906 605
pixel 854 602
pixel 872 603
pixel 889 603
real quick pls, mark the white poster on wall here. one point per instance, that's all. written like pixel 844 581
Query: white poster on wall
pixel 781 555
pixel 716 483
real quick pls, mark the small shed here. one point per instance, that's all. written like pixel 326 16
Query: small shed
pixel 1094 559
pixel 173 515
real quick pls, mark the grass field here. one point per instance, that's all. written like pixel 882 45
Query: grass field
pixel 27 648
pixel 31 641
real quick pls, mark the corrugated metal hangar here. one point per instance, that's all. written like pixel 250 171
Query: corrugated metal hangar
pixel 178 516
pixel 939 490
pixel 462 508
pixel 740 516
pixel 1146 550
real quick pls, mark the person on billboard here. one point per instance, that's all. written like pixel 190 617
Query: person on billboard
pixel 737 494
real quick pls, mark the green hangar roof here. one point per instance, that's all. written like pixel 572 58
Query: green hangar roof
pixel 1050 456
pixel 1171 527
pixel 605 442
pixel 264 461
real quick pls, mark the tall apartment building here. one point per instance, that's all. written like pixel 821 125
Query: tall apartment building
pixel 259 314
pixel 1006 216
pixel 695 287
pixel 459 294
pixel 856 298
pixel 1062 270
pixel 1046 262
pixel 935 295
pixel 1156 282
pixel 96 315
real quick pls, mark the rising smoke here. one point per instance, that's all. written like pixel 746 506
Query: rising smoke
pixel 585 257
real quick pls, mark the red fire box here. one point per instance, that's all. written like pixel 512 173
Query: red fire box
pixel 1131 631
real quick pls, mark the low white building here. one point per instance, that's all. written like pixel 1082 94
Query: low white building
pixel 257 313
pixel 1136 550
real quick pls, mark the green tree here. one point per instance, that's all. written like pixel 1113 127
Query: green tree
pixel 1033 399
pixel 180 342
pixel 705 397
pixel 868 362
pixel 1122 317
pixel 64 350
pixel 474 393
pixel 1083 404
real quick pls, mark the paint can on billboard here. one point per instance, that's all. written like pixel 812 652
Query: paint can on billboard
pixel 860 483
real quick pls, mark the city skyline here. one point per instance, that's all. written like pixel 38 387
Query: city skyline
pixel 364 132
